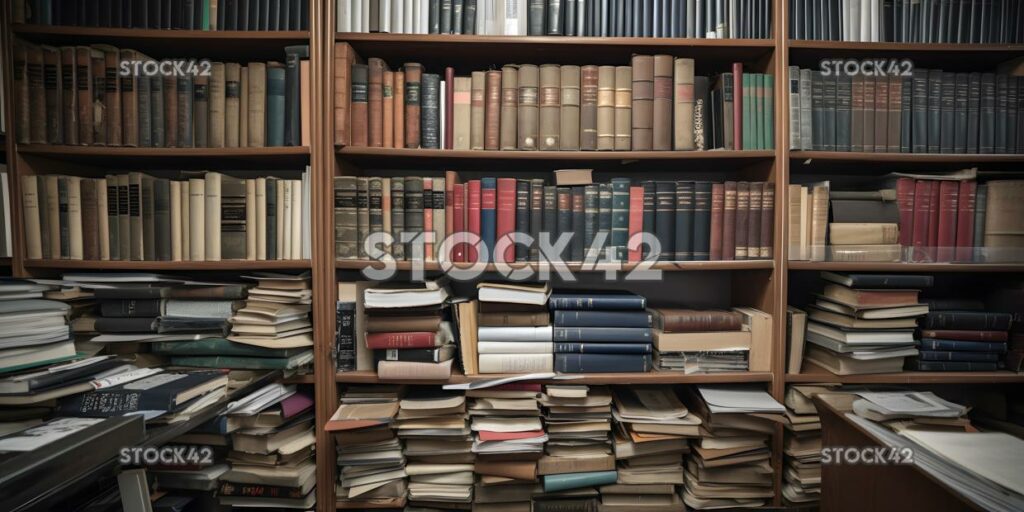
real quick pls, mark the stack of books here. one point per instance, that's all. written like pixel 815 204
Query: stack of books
pixel 701 341
pixel 36 331
pixel 864 323
pixel 578 420
pixel 599 332
pixel 802 444
pixel 514 333
pixel 176 14
pixel 275 316
pixel 962 339
pixel 403 308
pixel 370 461
pixel 439 461
pixel 864 226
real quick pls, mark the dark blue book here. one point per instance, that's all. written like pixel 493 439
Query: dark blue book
pixel 942 355
pixel 949 366
pixel 603 363
pixel 962 346
pixel 967 320
pixel 597 301
pixel 603 334
pixel 602 319
pixel 602 348
pixel 488 214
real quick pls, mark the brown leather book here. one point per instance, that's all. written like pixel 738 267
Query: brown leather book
pixel 388 109
pixel 742 217
pixel 588 107
pixel 509 106
pixel 413 77
pixel 527 119
pixel 461 115
pixel 895 106
pixel 569 117
pixel 623 108
pixel 218 104
pixel 232 102
pixel 90 221
pixel 375 101
pixel 51 95
pixel 170 91
pixel 399 122
pixel 36 94
pixel 360 105
pixel 344 57
pixel 476 110
pixel 683 129
pixel 201 111
pixel 643 103
pixel 513 319
pixel 767 220
pixel 19 80
pixel 729 221
pixel 881 114
pixel 606 108
pixel 754 222
pixel 717 219
pixel 83 89
pixel 550 97
pixel 447 110
pixel 428 323
pixel 492 110
pixel 129 105
pixel 696 320
pixel 857 113
pixel 256 123
pixel 662 123
pixel 98 99
pixel 868 135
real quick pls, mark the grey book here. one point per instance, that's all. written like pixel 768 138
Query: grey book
pixel 434 16
pixel 550 220
pixel 457 7
pixel 591 214
pixel 145 113
pixel 919 141
pixel 947 113
pixel 293 93
pixel 987 117
pixel 522 252
pixel 683 247
pixel 906 114
pixel 272 184
pixel 185 96
pixel 375 205
pixel 536 216
pixel 445 17
pixel 1001 114
pixel 818 110
pixel 162 218
pixel 201 112
pixel 275 107
pixel 806 109
pixel 960 101
pixel 934 110
pixel 554 18
pixel 362 214
pixel 148 220
pixel 604 217
pixel 828 142
pixel 156 104
pixel 844 86
pixel 430 115
pixel 535 17
pixel 973 110
pixel 397 217
pixel 413 211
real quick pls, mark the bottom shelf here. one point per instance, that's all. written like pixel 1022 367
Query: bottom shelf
pixel 370 377
pixel 814 373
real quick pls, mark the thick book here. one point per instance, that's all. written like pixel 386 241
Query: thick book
pixel 596 301
pixel 642 120
pixel 577 318
pixel 605 108
pixel 682 115
pixel 601 348
pixel 509 107
pixel 948 366
pixel 967 320
pixel 527 115
pixel 492 110
pixel 161 392
pixel 961 346
pixel 684 219
pixel 589 102
pixel 964 335
pixel 601 363
pixel 430 111
pixel 603 334
pixel 569 118
pixel 549 110
pixel 413 78
pixel 939 355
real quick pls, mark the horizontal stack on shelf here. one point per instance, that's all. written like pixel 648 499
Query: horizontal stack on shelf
pixel 574 18
pixel 175 14
pixel 398 352
pixel 865 226
pixel 273 323
pixel 962 336
pixel 514 333
pixel 595 321
pixel 199 103
pixel 437 447
pixel 704 341
pixel 36 335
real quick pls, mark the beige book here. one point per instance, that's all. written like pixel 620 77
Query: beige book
pixel 261 218
pixel 691 341
pixel 232 99
pixel 399 124
pixel 306 104
pixel 76 248
pixel 548 465
pixel 476 110
pixel 863 233
pixel 405 370
pixel 286 249
pixel 124 231
pixel 794 217
pixel 212 226
pixel 515 363
pixel 257 124
pixel 842 365
pixel 217 105
pixel 353 292
pixel 550 111
pixel 683 105
pixel 243 107
pixel 250 219
pixel 53 215
pixel 281 195
pixel 138 244
pixel 760 325
pixel 606 108
pixel 186 210
pixel 462 124
pixel 526 110
pixel 296 218
pixel 197 219
pixel 796 326
pixel 819 220
pixel 102 220
pixel 386 208
pixel 664 67
pixel 869 252
pixel 30 213
pixel 1004 222
pixel 643 102
pixel 569 120
pixel 509 107
pixel 623 108
pixel 467 318
pixel 175 220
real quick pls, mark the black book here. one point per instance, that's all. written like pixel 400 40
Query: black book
pixel 549 226
pixel 293 94
pixel 126 325
pixel 160 392
pixel 416 355
pixel 665 218
pixel 456 23
pixel 1000 115
pixel 591 212
pixel 967 320
pixel 1013 88
pixel 829 113
pixel 564 219
pixel 649 213
pixel 272 219
pixel 41 380
pixel 973 111
pixel 684 220
pixel 934 110
pixel 947 106
pixel 162 218
pixel 604 219
pixel 880 281
pixel 844 92
pixel 522 217
pixel 578 224
pixel 62 214
pixel 703 119
pixel 434 16
pixel 469 17
pixel 960 102
pixel 345 337
pixel 430 116
pixel 702 220
pixel 569 26
pixel 554 17
pixel 536 216
pixel 987 117
pixel 535 17
pixel 818 110
pixel 920 106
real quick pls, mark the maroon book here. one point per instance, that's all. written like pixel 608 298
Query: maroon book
pixel 473 198
pixel 401 339
pixel 933 219
pixel 905 202
pixel 949 195
pixel 922 218
pixel 717 212
pixel 737 107
pixel 965 220
pixel 449 107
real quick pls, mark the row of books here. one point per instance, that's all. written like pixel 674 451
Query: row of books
pixel 172 14
pixel 929 112
pixel 105 96
pixel 687 220
pixel 649 105
pixel 525 446
pixel 744 19
pixel 907 21
pixel 207 216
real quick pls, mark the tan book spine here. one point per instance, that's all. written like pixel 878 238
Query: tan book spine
pixel 550 111
pixel 232 102
pixel 683 129
pixel 819 220
pixel 257 124
pixel 509 107
pixel 492 110
pixel 97 88
pixel 399 123
pixel 413 80
pixel 250 219
pixel 296 220
pixel 197 219
pixel 388 109
pixel 175 207
pixel 643 103
pixel 588 107
pixel 606 108
pixel 462 111
pixel 83 87
pixel 77 248
pixel 385 207
pixel 53 215
pixel 171 111
pixel 343 57
pixel 218 104
pixel 112 96
pixel 243 107
pixel 305 104
pixel 863 233
pixel 527 117
pixel 375 95
pixel 476 110
pixel 261 219
pixel 213 210
pixel 794 213
pixel 662 123
pixel 623 108
pixel 30 211
pixel 102 220
pixel 286 249
pixel 186 231
pixel 569 112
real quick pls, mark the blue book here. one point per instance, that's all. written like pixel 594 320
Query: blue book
pixel 620 217
pixel 597 301
pixel 941 355
pixel 602 363
pixel 488 214
pixel 566 481
pixel 275 105
pixel 569 318
pixel 602 348
pixel 962 346
pixel 951 366
pixel 603 334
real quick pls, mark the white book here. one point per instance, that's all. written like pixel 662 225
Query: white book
pixel 355 15
pixel 483 12
pixel 516 363
pixel 296 219
pixel 397 17
pixel 876 12
pixel 515 347
pixel 515 17
pixel 408 17
pixel 421 14
pixel 285 250
pixel 364 15
pixel 344 17
pixel 865 20
pixel 186 208
pixel 212 225
pixel 384 16
pixel 543 333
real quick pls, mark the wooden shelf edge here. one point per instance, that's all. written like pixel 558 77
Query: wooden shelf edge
pixel 806 44
pixel 355 151
pixel 851 156
pixel 867 266
pixel 370 377
pixel 120 151
pixel 766 44
pixel 816 374
pixel 667 266
pixel 145 33
pixel 169 265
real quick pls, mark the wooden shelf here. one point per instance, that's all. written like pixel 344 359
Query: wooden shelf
pixel 436 156
pixel 241 265
pixel 814 373
pixel 370 377
pixel 177 158
pixel 668 266
pixel 847 266
pixel 904 47
pixel 965 57
pixel 861 157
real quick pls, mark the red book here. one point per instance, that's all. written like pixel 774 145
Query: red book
pixel 949 195
pixel 636 223
pixel 965 220
pixel 737 106
pixel 922 217
pixel 458 222
pixel 518 386
pixel 729 222
pixel 964 335
pixel 933 220
pixel 428 217
pixel 717 212
pixel 506 218
pixel 449 107
pixel 401 339
pixel 473 219
pixel 487 435
pixel 905 201
pixel 450 179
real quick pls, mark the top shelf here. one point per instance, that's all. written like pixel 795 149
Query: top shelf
pixel 946 56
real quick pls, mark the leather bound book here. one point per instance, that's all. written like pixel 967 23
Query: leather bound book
pixel 550 96
pixel 397 189
pixel 476 111
pixel 684 237
pixel 170 90
pixel 162 219
pixel 591 220
pixel 933 220
pixel 569 120
pixel 186 97
pixel 509 108
pixel 895 107
pixel 844 92
pixel 458 217
pixel 737 107
pixel 97 89
pixel 868 135
pixel 857 114
pixel 535 18
pixel 947 107
pixel 906 112
pixel 987 115
pixel 742 217
pixel 536 216
pixel 27 83
pixel 398 125
pixel 473 218
pixel 650 190
pixel 729 220
pixel 44 98
pixel 554 17
pixel 715 236
pixel 256 123
pixel 414 223
pixel 90 221
pixel 200 111
pixel 522 217
pixel 604 217
pixel 218 100
pixel 961 100
pixel 754 222
pixel 375 102
pixel 549 212
pixel 413 77
pixel 576 246
pixel 83 88
pixel 430 111
pixel 344 57
pixel 635 225
pixel 693 320
pixel 949 196
pixel 662 121
pixel 665 218
pixel 905 203
pixel 69 97
pixel 589 76
pixel 449 107
pixel 922 219
pixel 461 113
pixel 563 196
pixel 919 107
pixel 701 221
pixel 606 108
pixel 643 103
pixel 703 115
pixel 623 108
pixel 683 129
pixel 527 118
pixel 829 97
pixel 767 231
pixel 488 215
pixel 724 111
pixel 964 221
pixel 492 110
pixel 934 92
pixel 388 109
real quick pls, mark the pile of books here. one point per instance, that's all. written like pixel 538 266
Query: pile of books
pixel 274 321
pixel 35 330
pixel 701 341
pixel 514 333
pixel 578 421
pixel 962 336
pixel 411 347
pixel 802 444
pixel 650 105
pixel 508 437
pixel 865 226
pixel 65 99
pixel 179 14
pixel 202 216
pixel 437 447
pixel 864 323
pixel 598 332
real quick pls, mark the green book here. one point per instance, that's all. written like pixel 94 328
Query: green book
pixel 221 347
pixel 769 111
pixel 245 363
pixel 759 92
pixel 206 15
pixel 565 481
pixel 747 119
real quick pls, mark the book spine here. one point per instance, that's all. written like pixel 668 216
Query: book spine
pixel 606 108
pixel 737 109
pixel 509 108
pixel 569 108
pixel 603 334
pixel 623 108
pixel 474 219
pixel 488 219
pixel 665 217
pixel 527 118
pixel 413 83
pixel 620 217
pixel 683 105
pixel 635 249
pixel 965 220
pixel 430 111
pixel 742 219
pixel 729 215
pixel 962 346
pixel 536 216
pixel 576 244
pixel 550 98
pixel 448 108
pixel 375 102
pixel 717 223
pixel 949 194
pixel 601 348
pixel 661 124
pixel 939 355
pixel 936 366
pixel 589 101
pixel 966 320
pixel 399 340
pixel 601 363
pixel 642 121
pixel 767 231
pixel 522 218
pixel 591 212
pixel 684 221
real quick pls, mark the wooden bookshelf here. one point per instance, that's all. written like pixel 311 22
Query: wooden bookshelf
pixel 290 157
pixel 439 156
pixel 899 158
pixel 166 266
pixel 847 266
pixel 667 266
pixel 814 373
pixel 366 377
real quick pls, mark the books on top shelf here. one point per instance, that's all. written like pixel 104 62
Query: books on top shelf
pixel 180 15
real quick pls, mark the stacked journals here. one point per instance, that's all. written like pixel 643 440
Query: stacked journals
pixel 276 316
pixel 179 14
pixel 514 333
pixel 578 420
pixel 64 98
pixel 701 341
pixel 413 342
pixel 601 332
pixel 802 444
pixel 439 461
pixel 864 226
pixel 961 335
pixel 864 323
pixel 508 439
pixel 35 329
pixel 655 104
